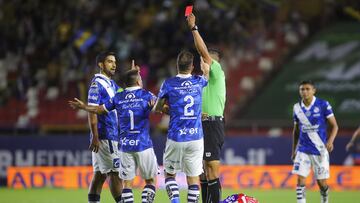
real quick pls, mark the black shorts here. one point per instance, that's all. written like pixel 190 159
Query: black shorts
pixel 214 133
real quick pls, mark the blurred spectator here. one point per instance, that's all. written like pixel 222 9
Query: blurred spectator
pixel 48 46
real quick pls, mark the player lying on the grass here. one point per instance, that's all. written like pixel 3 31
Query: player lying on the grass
pixel 184 145
pixel 311 144
pixel 133 106
pixel 239 198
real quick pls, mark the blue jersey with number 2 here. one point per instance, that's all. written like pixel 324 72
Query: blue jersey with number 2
pixel 184 95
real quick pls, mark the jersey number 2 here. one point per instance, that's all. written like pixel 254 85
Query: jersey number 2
pixel 188 112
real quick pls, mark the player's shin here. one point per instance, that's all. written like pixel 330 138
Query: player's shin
pixel 193 194
pixel 324 192
pixel 148 194
pixel 127 196
pixel 204 187
pixel 93 198
pixel 300 194
pixel 214 190
pixel 172 189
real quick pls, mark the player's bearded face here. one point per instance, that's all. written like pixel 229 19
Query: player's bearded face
pixel 109 66
pixel 307 91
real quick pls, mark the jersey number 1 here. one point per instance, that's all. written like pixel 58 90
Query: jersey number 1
pixel 131 113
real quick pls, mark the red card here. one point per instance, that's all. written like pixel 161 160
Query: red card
pixel 188 10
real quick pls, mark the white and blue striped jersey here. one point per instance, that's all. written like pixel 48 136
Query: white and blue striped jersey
pixel 133 109
pixel 184 96
pixel 312 121
pixel 103 89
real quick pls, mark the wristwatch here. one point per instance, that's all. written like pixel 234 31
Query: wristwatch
pixel 194 28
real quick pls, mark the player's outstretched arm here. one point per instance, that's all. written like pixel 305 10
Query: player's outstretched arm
pixel 353 138
pixel 161 107
pixel 198 40
pixel 205 68
pixel 333 132
pixel 295 140
pixel 78 104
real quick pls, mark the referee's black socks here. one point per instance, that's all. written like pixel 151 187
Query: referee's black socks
pixel 204 189
pixel 214 191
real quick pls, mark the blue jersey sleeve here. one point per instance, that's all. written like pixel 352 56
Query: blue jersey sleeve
pixel 151 97
pixel 110 105
pixel 204 81
pixel 163 93
pixel 94 97
pixel 295 118
pixel 328 112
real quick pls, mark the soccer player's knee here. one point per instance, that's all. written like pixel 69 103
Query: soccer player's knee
pixel 203 177
pixel 169 175
pixel 322 184
pixel 113 174
pixel 301 180
pixel 150 181
pixel 99 178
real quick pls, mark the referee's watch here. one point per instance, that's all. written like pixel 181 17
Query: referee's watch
pixel 194 28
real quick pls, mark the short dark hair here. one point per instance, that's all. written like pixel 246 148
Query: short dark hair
pixel 185 60
pixel 131 77
pixel 307 82
pixel 100 58
pixel 215 51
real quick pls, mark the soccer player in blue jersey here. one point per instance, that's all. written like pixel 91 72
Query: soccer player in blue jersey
pixel 311 144
pixel 104 131
pixel 133 107
pixel 184 146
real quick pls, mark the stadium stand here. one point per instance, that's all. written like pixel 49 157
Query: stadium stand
pixel 330 59
pixel 47 58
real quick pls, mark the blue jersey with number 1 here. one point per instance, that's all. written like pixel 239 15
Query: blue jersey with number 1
pixel 133 108
pixel 184 95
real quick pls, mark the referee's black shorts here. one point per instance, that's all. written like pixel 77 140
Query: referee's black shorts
pixel 214 133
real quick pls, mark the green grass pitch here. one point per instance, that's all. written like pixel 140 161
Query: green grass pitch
pixel 80 195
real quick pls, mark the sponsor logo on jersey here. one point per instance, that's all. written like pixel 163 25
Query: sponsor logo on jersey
pixel 316 110
pixel 310 128
pixel 190 131
pixel 186 83
pixel 116 163
pixel 128 142
pixel 130 96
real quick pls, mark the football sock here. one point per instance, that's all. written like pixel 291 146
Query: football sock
pixel 118 199
pixel 193 194
pixel 214 190
pixel 300 194
pixel 93 198
pixel 172 190
pixel 148 194
pixel 127 196
pixel 204 188
pixel 324 194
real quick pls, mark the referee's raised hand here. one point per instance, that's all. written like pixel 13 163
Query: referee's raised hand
pixel 191 20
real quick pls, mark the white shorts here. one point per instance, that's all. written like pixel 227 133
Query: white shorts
pixel 145 161
pixel 320 164
pixel 184 156
pixel 107 158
